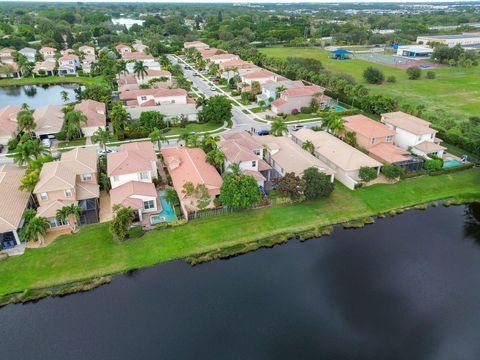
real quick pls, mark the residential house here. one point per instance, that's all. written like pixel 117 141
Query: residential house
pixel 151 97
pixel 221 58
pixel 293 99
pixel 68 64
pixel 8 123
pixel 170 111
pixel 49 120
pixel 261 76
pixel 45 68
pixel 238 67
pixel 71 180
pixel 344 159
pixel 13 205
pixel 413 133
pixel 284 156
pixel 29 53
pixel 189 165
pixel 67 52
pixel 132 171
pixel 9 69
pixel 139 46
pixel 195 44
pixel 48 52
pixel 150 65
pixel 95 113
pixel 240 148
pixel 123 49
pixel 87 50
pixel 131 81
pixel 269 89
pixel 6 52
pixel 137 56
pixel 208 53
pixel 378 139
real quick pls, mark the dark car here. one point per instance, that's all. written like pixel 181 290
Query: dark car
pixel 263 132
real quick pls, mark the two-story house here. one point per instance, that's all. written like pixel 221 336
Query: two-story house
pixel 294 99
pixel 29 53
pixel 131 81
pixel 132 170
pixel 270 89
pixel 240 148
pixel 68 64
pixel 71 180
pixel 413 133
pixel 260 76
pixel 48 52
pixel 221 58
pixel 95 112
pixel 8 123
pixel 123 49
pixel 87 50
pixel 151 97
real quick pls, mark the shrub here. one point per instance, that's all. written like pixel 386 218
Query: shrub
pixel 430 74
pixel 12 143
pixel 306 110
pixel 235 93
pixel 432 164
pixel 61 136
pixel 391 79
pixel 373 75
pixel 414 73
pixel 294 111
pixel 367 174
pixel 317 184
pixel 392 171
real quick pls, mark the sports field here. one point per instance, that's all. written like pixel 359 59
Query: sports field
pixel 455 91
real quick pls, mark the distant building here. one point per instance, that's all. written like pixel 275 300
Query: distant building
pixel 465 40
pixel 415 51
pixel 29 53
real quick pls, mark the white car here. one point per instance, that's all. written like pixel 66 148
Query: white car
pixel 213 88
pixel 102 152
pixel 47 143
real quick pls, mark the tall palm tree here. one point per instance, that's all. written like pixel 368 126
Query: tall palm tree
pixel 26 122
pixel 26 69
pixel 72 124
pixel 37 149
pixel 308 146
pixel 28 151
pixel 213 69
pixel 122 67
pixel 210 141
pixel 156 136
pixel 216 157
pixel 35 230
pixel 71 213
pixel 183 137
pixel 279 127
pixel 235 169
pixel 102 137
pixel 201 101
pixel 140 69
pixel 78 93
pixel 64 95
pixel 170 195
pixel 279 90
pixel 24 106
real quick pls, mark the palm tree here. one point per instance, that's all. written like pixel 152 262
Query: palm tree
pixel 26 69
pixel 26 122
pixel 118 117
pixel 71 213
pixel 235 169
pixel 78 93
pixel 210 141
pixel 350 138
pixel 216 157
pixel 29 181
pixel 201 101
pixel 183 137
pixel 279 127
pixel 122 67
pixel 140 69
pixel 156 136
pixel 24 107
pixel 279 90
pixel 308 146
pixel 37 149
pixel 102 137
pixel 64 95
pixel 29 150
pixel 334 125
pixel 35 230
pixel 213 69
pixel 170 195
pixel 72 124
pixel 192 141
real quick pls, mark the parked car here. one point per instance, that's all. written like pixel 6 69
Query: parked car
pixel 47 143
pixel 297 127
pixel 187 68
pixel 103 152
pixel 213 88
pixel 263 132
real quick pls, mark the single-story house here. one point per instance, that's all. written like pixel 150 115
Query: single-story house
pixel 152 97
pixel 45 67
pixel 49 120
pixel 8 123
pixel 170 111
pixel 293 99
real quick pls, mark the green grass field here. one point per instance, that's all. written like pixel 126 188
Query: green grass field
pixel 93 253
pixel 454 90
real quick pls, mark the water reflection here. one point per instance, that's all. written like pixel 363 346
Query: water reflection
pixel 30 91
pixel 472 221
pixel 35 95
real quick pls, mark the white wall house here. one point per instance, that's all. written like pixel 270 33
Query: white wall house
pixel 152 97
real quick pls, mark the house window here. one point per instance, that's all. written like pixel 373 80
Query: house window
pixel 389 138
pixel 43 196
pixel 432 136
pixel 86 177
pixel 254 163
pixel 419 138
pixel 68 192
pixel 115 178
pixel 173 101
pixel 257 152
pixel 143 98
pixel 372 141
pixel 55 223
pixel 150 204
pixel 144 175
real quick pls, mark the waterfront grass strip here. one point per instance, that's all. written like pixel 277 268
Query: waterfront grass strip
pixel 93 253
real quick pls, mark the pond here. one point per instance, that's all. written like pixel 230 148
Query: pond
pixel 406 287
pixel 35 95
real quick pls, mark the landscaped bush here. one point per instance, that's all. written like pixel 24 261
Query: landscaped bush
pixel 414 73
pixel 451 169
pixel 235 93
pixel 430 74
pixel 432 164
pixel 294 111
pixel 373 75
pixel 392 171
pixel 316 128
pixel 367 174
pixel 61 136
pixel 12 143
pixel 306 110
pixel 391 79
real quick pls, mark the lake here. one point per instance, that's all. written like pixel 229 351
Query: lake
pixel 35 95
pixel 407 287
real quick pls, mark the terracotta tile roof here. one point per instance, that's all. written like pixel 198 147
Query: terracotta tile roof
pixel 278 102
pixel 259 74
pixel 194 44
pixel 55 176
pixel 136 56
pixel 239 64
pixel 335 150
pixel 224 56
pixel 122 46
pixel 8 120
pixel 49 119
pixel 6 51
pixel 47 49
pixel 132 158
pixel 85 190
pixel 255 174
pixel 50 209
pixel 94 111
pixel 360 124
pixel 68 57
pixel 236 152
pixel 157 92
pixel 125 194
pixel 189 165
pixel 80 160
pixel 84 48
pixel 408 122
pixel 388 153
pixel 13 201
pixel 244 138
pixel 309 90
pixel 44 65
pixel 429 147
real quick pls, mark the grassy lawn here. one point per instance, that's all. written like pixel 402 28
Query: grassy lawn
pixel 51 80
pixel 78 142
pixel 93 253
pixel 193 127
pixel 455 90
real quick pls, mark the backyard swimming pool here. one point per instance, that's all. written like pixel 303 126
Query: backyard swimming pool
pixel 167 214
pixel 451 163
pixel 338 108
